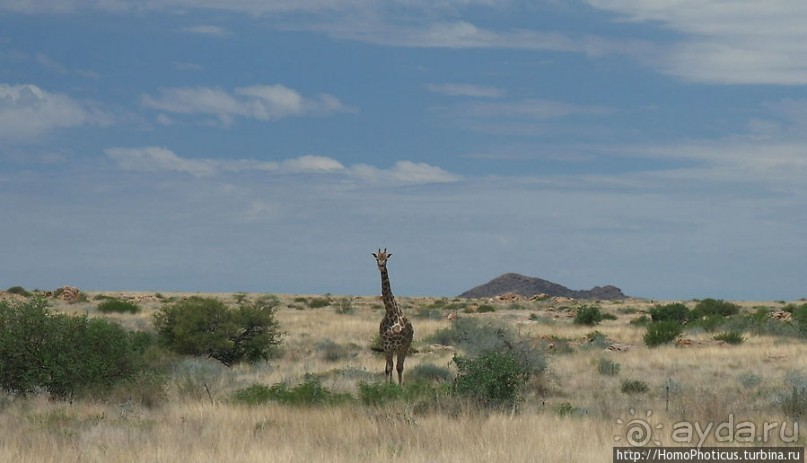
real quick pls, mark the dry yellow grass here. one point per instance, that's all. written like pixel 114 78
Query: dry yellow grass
pixel 200 432
pixel 704 383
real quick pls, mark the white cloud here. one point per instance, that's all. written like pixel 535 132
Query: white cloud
pixel 27 112
pixel 532 109
pixel 206 30
pixel 404 172
pixel 55 66
pixel 780 163
pixel 186 66
pixel 461 34
pixel 522 117
pixel 156 159
pixel 407 23
pixel 469 90
pixel 420 172
pixel 736 42
pixel 771 150
pixel 164 120
pixel 256 7
pixel 63 6
pixel 262 102
pixel 311 164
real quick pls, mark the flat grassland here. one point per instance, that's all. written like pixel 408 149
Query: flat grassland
pixel 577 410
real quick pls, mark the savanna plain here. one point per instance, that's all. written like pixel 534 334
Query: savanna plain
pixel 596 383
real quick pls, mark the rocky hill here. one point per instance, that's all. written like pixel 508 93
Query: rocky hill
pixel 528 286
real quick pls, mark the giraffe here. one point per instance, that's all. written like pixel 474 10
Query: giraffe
pixel 395 330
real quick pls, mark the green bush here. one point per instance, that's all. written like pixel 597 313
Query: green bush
pixel 566 409
pixel 719 307
pixel 659 333
pixel 498 362
pixel 749 380
pixel 799 316
pixel 607 367
pixel 486 308
pixel 494 379
pixel 309 393
pixel 588 315
pixel 344 306
pixel 633 386
pixel 429 313
pixel 18 290
pixel 332 351
pixel 205 326
pixel 118 306
pixel 422 394
pixel 256 394
pixel 709 323
pixel 730 337
pixel 597 339
pixel 318 303
pixel 380 393
pixel 641 320
pixel 477 337
pixel 676 312
pixel 64 355
pixel 794 404
pixel 428 372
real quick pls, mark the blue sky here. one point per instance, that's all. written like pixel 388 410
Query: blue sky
pixel 246 145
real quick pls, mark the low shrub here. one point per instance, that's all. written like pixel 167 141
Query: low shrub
pixel 477 337
pixel 118 306
pixel 710 323
pixel 344 306
pixel 749 380
pixel 333 352
pixel 380 393
pixel 308 393
pixel 422 394
pixel 794 403
pixel 659 333
pixel 676 312
pixel 428 372
pixel 541 319
pixel 730 337
pixel 566 409
pixel 641 320
pixel 588 315
pixel 318 303
pixel 18 290
pixel 597 339
pixel 633 386
pixel 799 316
pixel 494 379
pixel 428 313
pixel 719 307
pixel 607 367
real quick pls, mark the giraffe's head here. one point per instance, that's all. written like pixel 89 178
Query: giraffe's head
pixel 381 258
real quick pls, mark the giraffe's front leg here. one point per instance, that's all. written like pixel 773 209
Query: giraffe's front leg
pixel 388 369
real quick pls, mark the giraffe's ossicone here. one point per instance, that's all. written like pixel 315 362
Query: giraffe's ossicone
pixel 396 331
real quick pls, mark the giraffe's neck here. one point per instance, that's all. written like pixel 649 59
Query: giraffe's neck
pixel 387 297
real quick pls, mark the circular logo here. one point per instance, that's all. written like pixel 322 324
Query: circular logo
pixel 638 432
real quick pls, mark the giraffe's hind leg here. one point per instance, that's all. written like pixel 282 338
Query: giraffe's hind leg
pixel 400 366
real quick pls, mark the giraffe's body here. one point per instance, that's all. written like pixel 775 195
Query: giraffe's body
pixel 396 331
